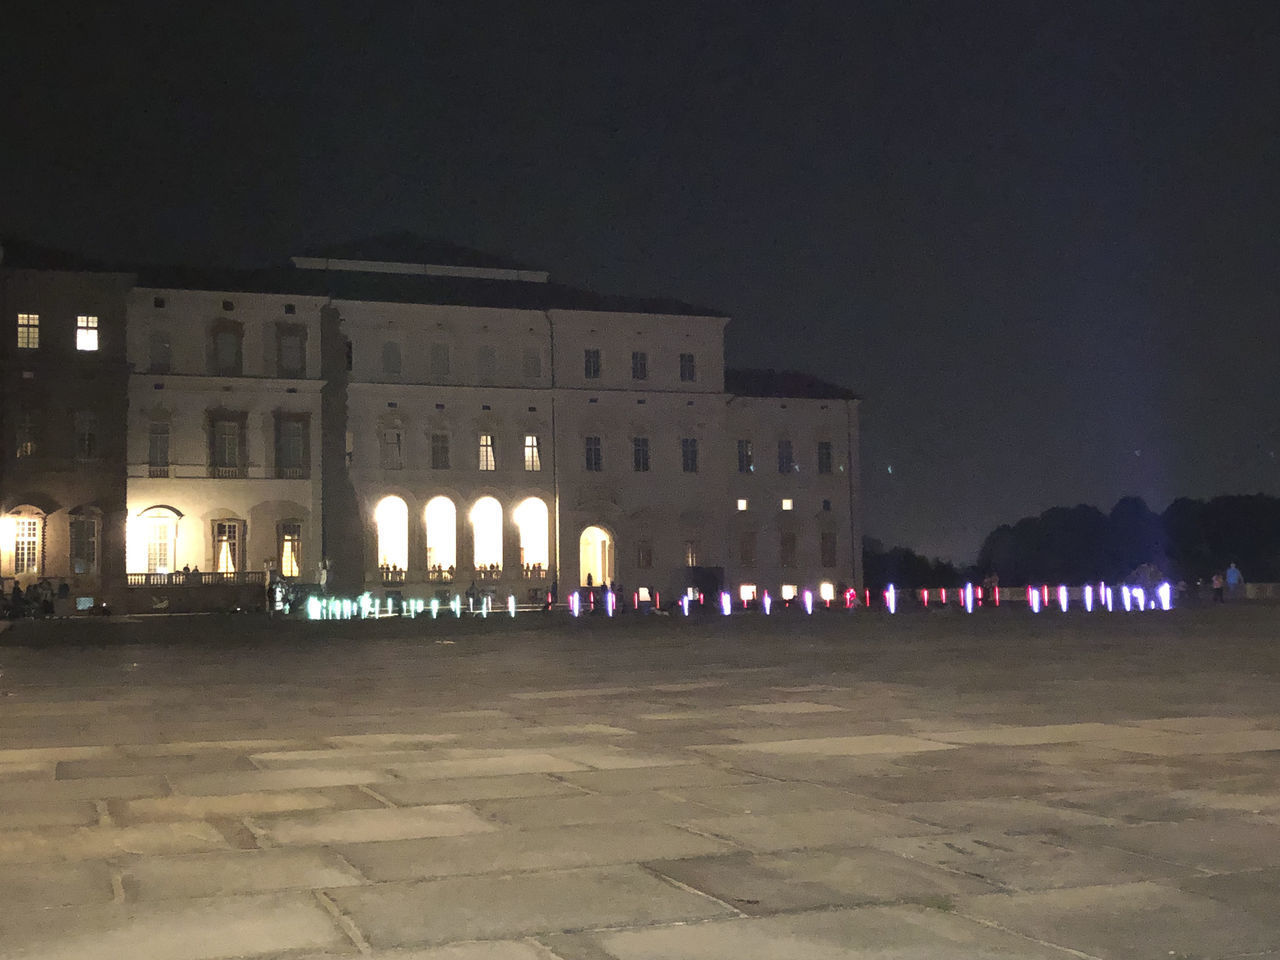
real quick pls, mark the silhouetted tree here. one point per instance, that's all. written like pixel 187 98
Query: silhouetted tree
pixel 903 568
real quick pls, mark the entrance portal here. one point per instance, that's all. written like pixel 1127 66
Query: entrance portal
pixel 595 556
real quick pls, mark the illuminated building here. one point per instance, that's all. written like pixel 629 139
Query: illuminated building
pixel 421 417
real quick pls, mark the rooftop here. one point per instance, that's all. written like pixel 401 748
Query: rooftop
pixel 783 383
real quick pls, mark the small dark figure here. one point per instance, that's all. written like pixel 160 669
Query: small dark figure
pixel 590 582
pixel 1218 584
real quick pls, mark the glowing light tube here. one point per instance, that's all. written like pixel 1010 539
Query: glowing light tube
pixel 1126 597
pixel 1088 597
pixel 511 605
pixel 1034 597
pixel 1062 597
pixel 1165 592
pixel 968 597
pixel 808 601
pixel 726 604
pixel 768 603
pixel 1140 598
pixel 575 603
pixel 891 599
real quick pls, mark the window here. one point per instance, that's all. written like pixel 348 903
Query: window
pixel 84 545
pixel 26 436
pixel 290 549
pixel 439 451
pixel 291 447
pixel 159 353
pixel 158 449
pixel 391 360
pixel 227 359
pixel 824 456
pixel 87 333
pixel 350 355
pixel 228 436
pixel 788 503
pixel 742 504
pixel 691 553
pixel 486 364
pixel 689 454
pixel 532 454
pixel 789 591
pixel 86 425
pixel 439 360
pixel 640 454
pixel 486 452
pixel 786 460
pixel 227 543
pixel 157 302
pixel 591 364
pixel 392 449
pixel 26 546
pixel 787 549
pixel 160 532
pixel 644 554
pixel 291 350
pixel 747 548
pixel 826 505
pixel 688 368
pixel 639 365
pixel 828 548
pixel 28 331
pixel 532 363
pixel 594 457
pixel 746 462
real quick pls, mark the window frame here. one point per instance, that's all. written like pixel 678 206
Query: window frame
pixel 688 368
pixel 488 460
pixel 689 454
pixel 786 456
pixel 592 363
pixel 87 333
pixel 593 453
pixel 532 453
pixel 87 536
pixel 639 454
pixel 639 365
pixel 440 451
pixel 28 330
pixel 825 456
pixel 746 457
pixel 284 333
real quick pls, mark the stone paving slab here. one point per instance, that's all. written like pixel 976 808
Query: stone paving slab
pixel 1238 844
pixel 759 884
pixel 768 797
pixel 474 908
pixel 835 746
pixel 510 850
pixel 367 826
pixel 236 872
pixel 415 792
pixel 39 886
pixel 1031 861
pixel 179 748
pixel 565 811
pixel 1009 814
pixel 870 933
pixel 1028 735
pixel 790 707
pixel 1136 921
pixel 1255 891
pixel 95 843
pixel 151 766
pixel 817 828
pixel 30 814
pixel 31 770
pixel 213 784
pixel 179 930
pixel 363 757
pixel 616 781
pixel 181 807
pixel 485 767
pixel 90 788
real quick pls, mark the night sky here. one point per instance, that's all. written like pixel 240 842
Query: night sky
pixel 1042 239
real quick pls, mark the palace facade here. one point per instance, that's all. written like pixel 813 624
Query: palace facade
pixel 407 418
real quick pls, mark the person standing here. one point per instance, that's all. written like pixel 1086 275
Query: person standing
pixel 1235 580
pixel 1217 587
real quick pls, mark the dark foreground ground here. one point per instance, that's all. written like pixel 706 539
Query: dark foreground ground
pixel 1000 785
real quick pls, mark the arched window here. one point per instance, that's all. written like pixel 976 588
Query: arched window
pixel 153 540
pixel 486 531
pixel 441 518
pixel 392 519
pixel 531 517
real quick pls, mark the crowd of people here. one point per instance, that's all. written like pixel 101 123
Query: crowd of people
pixel 36 601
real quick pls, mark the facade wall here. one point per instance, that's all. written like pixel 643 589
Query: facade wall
pixel 181 390
pixel 61 418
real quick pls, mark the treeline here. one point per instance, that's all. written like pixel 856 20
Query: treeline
pixel 904 568
pixel 1192 539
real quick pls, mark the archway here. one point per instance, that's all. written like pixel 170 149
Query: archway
pixel 152 540
pixel 391 517
pixel 531 517
pixel 441 518
pixel 486 532
pixel 595 556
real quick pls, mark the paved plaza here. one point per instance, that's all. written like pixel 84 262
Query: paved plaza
pixel 998 785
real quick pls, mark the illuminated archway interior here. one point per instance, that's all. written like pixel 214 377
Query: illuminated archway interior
pixel 392 519
pixel 595 556
pixel 531 518
pixel 152 541
pixel 441 517
pixel 486 530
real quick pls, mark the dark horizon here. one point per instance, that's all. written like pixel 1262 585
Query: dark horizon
pixel 1039 241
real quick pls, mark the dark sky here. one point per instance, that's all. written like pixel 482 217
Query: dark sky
pixel 1041 238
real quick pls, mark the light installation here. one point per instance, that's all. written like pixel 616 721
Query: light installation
pixel 726 604
pixel 1033 596
pixel 808 601
pixel 1062 597
pixel 1088 597
pixel 768 603
pixel 1126 597
pixel 1165 592
pixel 968 597
pixel 891 599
